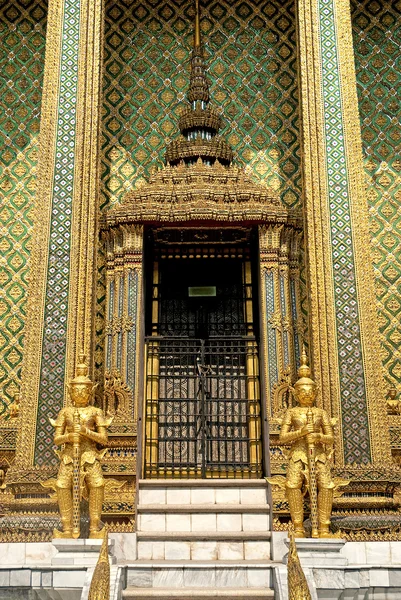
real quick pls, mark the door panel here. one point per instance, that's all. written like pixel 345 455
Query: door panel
pixel 202 405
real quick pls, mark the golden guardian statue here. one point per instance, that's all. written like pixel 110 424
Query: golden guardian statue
pixel 309 432
pixel 80 429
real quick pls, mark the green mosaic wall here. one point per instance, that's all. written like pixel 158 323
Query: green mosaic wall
pixel 22 49
pixel 250 52
pixel 377 43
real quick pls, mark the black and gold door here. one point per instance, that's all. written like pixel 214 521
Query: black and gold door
pixel 202 374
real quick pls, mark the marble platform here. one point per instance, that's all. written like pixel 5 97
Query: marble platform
pixel 80 552
pixel 319 552
pixel 369 570
pixel 362 571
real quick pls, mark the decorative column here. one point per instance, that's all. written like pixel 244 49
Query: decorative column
pixel 280 331
pixel 62 273
pixel 124 318
pixel 343 320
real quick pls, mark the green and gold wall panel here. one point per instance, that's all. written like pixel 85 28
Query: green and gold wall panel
pixel 377 45
pixel 250 53
pixel 22 50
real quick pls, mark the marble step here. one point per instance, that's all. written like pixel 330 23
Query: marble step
pixel 204 483
pixel 203 508
pixel 200 521
pixel 205 546
pixel 203 492
pixel 203 535
pixel 194 593
pixel 211 574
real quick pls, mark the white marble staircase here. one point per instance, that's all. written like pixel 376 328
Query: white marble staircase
pixel 202 538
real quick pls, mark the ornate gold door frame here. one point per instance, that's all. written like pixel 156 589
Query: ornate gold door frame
pixel 201 382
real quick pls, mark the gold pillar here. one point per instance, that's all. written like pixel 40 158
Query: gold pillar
pixel 124 314
pixel 252 378
pixel 343 320
pixel 62 288
pixel 151 455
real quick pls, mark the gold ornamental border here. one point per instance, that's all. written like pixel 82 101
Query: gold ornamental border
pixel 324 349
pixel 41 217
pixel 369 325
pixel 82 284
pixel 85 201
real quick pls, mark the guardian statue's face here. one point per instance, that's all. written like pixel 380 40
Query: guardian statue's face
pixel 81 393
pixel 305 394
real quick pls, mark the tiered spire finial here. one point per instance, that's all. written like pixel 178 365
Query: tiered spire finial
pixel 304 371
pixel 197 33
pixel 199 87
pixel 199 123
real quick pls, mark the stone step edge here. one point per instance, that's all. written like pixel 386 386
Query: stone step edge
pixel 186 483
pixel 202 564
pixel 198 593
pixel 203 508
pixel 179 536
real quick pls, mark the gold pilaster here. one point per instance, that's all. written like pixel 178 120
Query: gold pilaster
pixel 40 247
pixel 80 236
pixel 269 243
pixel 323 313
pixel 85 228
pixel 375 384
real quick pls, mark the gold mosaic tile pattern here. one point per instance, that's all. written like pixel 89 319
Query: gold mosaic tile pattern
pixel 22 47
pixel 377 43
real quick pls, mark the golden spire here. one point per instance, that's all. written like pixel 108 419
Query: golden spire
pixel 297 585
pixel 100 586
pixel 198 87
pixel 197 34
pixel 199 123
pixel 304 371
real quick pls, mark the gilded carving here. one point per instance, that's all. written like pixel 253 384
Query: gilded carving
pixel 309 433
pixel 322 305
pixel 80 428
pixel 118 396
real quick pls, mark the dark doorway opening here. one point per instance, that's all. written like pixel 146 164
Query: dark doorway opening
pixel 202 367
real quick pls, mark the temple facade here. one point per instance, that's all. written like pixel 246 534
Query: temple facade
pixel 191 195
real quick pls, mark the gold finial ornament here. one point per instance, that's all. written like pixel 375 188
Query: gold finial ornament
pixel 309 432
pixel 79 429
pixel 304 371
pixel 197 33
pixel 81 371
pixel 298 588
pixel 198 87
pixel 100 584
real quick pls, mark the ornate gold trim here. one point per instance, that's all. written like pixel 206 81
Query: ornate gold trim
pixel 317 239
pixel 85 205
pixel 375 385
pixel 41 215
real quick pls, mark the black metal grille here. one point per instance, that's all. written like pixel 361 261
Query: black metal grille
pixel 202 421
pixel 180 315
pixel 202 384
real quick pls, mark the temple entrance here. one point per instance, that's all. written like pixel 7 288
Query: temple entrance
pixel 202 367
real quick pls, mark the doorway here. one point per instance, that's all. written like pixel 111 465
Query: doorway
pixel 202 366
